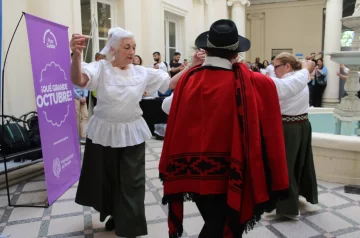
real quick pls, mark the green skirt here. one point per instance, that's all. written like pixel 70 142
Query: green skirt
pixel 301 167
pixel 112 181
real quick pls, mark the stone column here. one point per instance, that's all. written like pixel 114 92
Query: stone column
pixel 332 43
pixel 238 13
pixel 239 17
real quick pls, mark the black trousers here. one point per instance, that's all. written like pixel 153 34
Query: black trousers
pixel 317 95
pixel 213 209
pixel 311 89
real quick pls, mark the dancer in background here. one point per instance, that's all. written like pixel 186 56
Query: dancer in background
pixel 297 134
pixel 112 179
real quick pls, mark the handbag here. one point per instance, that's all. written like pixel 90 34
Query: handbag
pixel 14 137
pixel 32 125
pixel 320 80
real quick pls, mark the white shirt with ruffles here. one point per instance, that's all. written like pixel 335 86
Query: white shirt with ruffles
pixel 117 120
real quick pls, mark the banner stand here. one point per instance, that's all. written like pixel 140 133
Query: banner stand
pixel 61 155
pixel 6 157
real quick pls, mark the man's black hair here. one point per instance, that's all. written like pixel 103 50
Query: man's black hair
pixel 176 53
pixel 156 52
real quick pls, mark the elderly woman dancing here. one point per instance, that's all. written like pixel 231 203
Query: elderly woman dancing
pixel 112 179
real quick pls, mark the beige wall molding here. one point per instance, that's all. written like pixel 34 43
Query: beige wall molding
pixel 277 6
pixel 174 9
pixel 245 3
pixel 256 16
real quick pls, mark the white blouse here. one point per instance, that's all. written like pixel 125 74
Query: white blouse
pixel 296 105
pixel 117 119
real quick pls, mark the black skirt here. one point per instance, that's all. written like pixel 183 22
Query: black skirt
pixel 301 169
pixel 112 181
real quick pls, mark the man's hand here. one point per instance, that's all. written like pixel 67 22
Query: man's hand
pixel 83 100
pixel 198 58
pixel 309 65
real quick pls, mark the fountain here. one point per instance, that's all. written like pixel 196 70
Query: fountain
pixel 348 111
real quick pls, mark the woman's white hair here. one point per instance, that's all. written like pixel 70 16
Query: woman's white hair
pixel 115 35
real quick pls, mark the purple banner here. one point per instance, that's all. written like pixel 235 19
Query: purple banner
pixel 50 59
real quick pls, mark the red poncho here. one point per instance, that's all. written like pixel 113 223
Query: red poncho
pixel 224 136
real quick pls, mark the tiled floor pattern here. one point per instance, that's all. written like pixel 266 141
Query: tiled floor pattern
pixel 337 215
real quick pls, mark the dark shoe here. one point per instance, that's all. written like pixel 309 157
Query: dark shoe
pixel 110 224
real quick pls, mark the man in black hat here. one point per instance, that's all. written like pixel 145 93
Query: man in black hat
pixel 224 146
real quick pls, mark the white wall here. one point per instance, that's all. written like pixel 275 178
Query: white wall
pixel 133 22
pixel 19 88
pixel 295 25
pixel 220 9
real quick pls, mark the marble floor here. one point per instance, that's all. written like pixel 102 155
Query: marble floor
pixel 337 214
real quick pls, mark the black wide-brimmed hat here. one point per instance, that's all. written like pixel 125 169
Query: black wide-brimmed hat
pixel 223 35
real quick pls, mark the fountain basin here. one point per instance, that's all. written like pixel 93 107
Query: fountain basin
pixel 346 57
pixel 336 157
pixel 351 22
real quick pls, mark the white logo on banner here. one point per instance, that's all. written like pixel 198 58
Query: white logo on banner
pixel 52 94
pixel 59 165
pixel 49 39
pixel 56 167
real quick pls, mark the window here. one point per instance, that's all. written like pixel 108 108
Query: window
pixel 97 18
pixel 172 35
pixel 347 38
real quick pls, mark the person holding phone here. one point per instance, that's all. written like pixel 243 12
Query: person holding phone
pixel 319 83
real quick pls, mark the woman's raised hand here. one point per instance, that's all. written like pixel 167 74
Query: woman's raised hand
pixel 77 44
